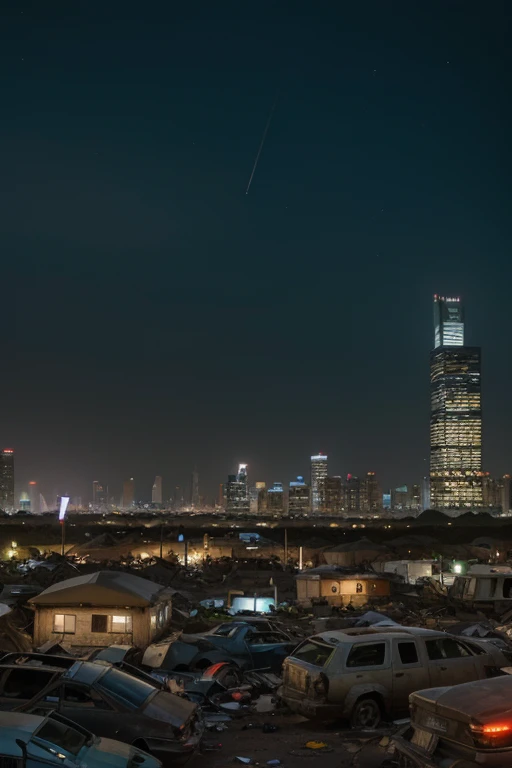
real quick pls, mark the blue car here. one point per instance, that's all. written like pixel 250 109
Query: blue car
pixel 30 741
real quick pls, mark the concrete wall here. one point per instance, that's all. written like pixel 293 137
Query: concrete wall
pixel 146 622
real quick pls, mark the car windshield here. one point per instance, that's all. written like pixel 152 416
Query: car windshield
pixel 61 736
pixel 133 691
pixel 314 652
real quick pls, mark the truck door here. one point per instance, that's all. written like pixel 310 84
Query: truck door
pixel 450 662
pixel 409 674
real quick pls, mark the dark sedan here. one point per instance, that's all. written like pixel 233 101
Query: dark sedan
pixel 110 703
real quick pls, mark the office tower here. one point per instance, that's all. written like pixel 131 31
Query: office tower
pixel 33 493
pixel 156 491
pixel 456 415
pixel 299 497
pixel 318 475
pixel 7 479
pixel 253 500
pixel 237 493
pixel 261 487
pixel 506 495
pixel 24 501
pixel 425 493
pixel 448 322
pixel 99 494
pixel 194 489
pixel 275 499
pixel 333 495
pixel 372 494
pixel 352 495
pixel 128 493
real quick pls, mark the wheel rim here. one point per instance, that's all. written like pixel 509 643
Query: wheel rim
pixel 367 714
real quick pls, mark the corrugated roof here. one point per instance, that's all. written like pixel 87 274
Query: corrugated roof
pixel 103 588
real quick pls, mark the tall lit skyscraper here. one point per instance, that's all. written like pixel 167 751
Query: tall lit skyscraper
pixel 128 493
pixel 99 494
pixel 318 477
pixel 448 322
pixel 455 413
pixel 156 491
pixel 237 492
pixel 33 493
pixel 7 479
pixel 299 497
pixel 275 499
pixel 194 489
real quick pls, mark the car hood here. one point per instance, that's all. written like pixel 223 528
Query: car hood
pixel 480 701
pixel 107 753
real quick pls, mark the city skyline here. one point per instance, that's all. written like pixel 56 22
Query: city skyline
pixel 160 318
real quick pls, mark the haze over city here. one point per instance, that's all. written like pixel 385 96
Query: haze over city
pixel 161 318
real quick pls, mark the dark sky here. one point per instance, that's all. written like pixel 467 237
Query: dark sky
pixel 156 316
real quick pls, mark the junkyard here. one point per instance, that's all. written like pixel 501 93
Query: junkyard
pixel 235 650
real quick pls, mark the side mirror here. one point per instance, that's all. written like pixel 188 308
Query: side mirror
pixel 21 744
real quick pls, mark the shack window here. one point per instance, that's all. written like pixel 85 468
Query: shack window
pixel 371 655
pixel 120 624
pixel 99 622
pixel 445 648
pixel 408 653
pixel 314 653
pixel 64 623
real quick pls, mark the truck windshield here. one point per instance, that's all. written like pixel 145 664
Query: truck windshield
pixel 314 652
pixel 61 736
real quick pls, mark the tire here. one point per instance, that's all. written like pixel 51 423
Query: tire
pixel 367 713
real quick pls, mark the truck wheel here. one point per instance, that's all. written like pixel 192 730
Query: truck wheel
pixel 366 713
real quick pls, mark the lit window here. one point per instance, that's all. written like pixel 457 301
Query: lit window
pixel 121 624
pixel 64 623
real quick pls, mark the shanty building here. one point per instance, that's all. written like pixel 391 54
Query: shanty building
pixel 100 609
pixel 339 586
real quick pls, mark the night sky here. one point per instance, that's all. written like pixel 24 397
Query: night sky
pixel 156 317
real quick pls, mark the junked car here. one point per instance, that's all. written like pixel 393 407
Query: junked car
pixel 462 726
pixel 108 702
pixel 367 674
pixel 40 742
pixel 234 641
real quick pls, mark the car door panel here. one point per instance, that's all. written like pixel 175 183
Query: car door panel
pixel 409 673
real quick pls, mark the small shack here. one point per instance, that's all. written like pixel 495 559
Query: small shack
pixel 356 553
pixel 100 609
pixel 339 586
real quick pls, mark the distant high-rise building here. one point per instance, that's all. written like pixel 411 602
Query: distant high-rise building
pixel 448 322
pixel 333 495
pixel 128 493
pixel 7 479
pixel 506 494
pixel 99 494
pixel 33 493
pixel 156 491
pixel 221 500
pixel 24 501
pixel 456 413
pixel 425 493
pixel 275 499
pixel 318 475
pixel 299 497
pixel 261 488
pixel 372 501
pixel 253 500
pixel 194 490
pixel 352 495
pixel 237 492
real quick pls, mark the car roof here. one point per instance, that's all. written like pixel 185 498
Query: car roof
pixel 17 725
pixel 378 633
pixel 33 667
pixel 86 672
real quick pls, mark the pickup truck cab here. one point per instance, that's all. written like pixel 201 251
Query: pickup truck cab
pixel 365 674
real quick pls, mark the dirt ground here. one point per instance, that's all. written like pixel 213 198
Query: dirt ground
pixel 346 749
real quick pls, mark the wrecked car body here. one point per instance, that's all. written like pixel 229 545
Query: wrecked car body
pixel 467 725
pixel 53 740
pixel 237 642
pixel 107 701
pixel 364 674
